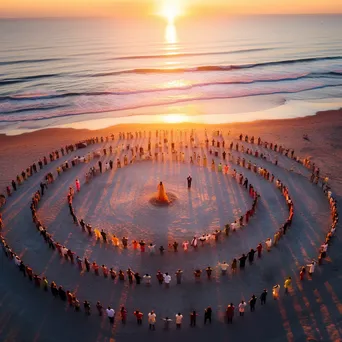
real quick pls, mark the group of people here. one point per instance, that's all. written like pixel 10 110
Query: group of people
pixel 162 278
pixel 142 245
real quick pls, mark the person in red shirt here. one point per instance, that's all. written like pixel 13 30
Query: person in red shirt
pixel 123 314
pixel 142 245
pixel 259 249
pixel 135 244
pixel 139 315
pixel 105 271
pixel 160 277
pixel 95 267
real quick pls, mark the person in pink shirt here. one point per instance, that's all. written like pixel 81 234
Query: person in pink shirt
pixel 78 185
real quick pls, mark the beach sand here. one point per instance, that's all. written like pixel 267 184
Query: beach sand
pixel 324 130
pixel 311 312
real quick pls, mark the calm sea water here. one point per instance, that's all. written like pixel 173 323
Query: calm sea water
pixel 60 71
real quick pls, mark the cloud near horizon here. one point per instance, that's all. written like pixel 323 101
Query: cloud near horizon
pixel 143 8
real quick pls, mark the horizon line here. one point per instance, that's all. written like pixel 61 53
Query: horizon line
pixel 153 15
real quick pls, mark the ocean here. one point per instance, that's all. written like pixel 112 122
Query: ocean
pixel 97 72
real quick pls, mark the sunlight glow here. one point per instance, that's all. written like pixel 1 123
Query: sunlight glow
pixel 170 10
pixel 175 118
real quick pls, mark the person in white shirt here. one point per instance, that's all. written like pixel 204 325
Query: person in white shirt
pixel 152 320
pixel 152 248
pixel 242 306
pixel 179 319
pixel 268 243
pixel 312 267
pixel 17 260
pixel 194 242
pixel 324 249
pixel 110 314
pixel 147 279
pixel 167 279
pixel 224 267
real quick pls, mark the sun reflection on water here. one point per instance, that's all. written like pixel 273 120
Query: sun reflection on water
pixel 171 33
pixel 175 118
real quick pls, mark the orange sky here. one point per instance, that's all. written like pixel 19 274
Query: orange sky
pixel 126 8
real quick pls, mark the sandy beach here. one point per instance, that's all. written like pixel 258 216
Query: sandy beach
pixel 117 201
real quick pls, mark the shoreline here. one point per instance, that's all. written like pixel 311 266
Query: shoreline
pixel 219 111
pixel 169 125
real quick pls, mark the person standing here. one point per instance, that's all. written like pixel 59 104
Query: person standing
pixel 167 279
pixel 179 319
pixel 197 274
pixel 234 265
pixel 104 235
pixel 207 314
pixel 302 273
pixel 179 276
pixel 193 317
pixel 251 256
pixel 312 267
pixel 79 262
pixel 252 303
pixel 87 264
pixel 139 315
pixel 268 244
pixel 152 320
pixel 147 279
pixel 86 306
pixel 259 249
pixel 224 267
pixel 130 275
pixel 100 166
pixel 123 314
pixel 99 308
pixel 263 297
pixel 287 284
pixel 242 307
pixel 275 291
pixel 152 248
pixel 189 179
pixel 175 246
pixel 42 187
pixel 14 185
pixel 78 185
pixel 137 277
pixel 160 277
pixel 209 271
pixel 242 260
pixel 230 313
pixel 167 322
pixel 110 314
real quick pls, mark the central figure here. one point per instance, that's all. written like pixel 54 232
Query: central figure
pixel 161 195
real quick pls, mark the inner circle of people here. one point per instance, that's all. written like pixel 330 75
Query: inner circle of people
pixel 165 278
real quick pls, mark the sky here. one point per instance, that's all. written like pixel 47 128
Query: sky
pixel 166 8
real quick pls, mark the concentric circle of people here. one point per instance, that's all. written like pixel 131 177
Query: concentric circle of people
pixel 165 278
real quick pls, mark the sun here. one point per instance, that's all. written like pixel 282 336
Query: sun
pixel 170 10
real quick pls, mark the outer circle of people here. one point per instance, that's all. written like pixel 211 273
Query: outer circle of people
pixel 162 278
